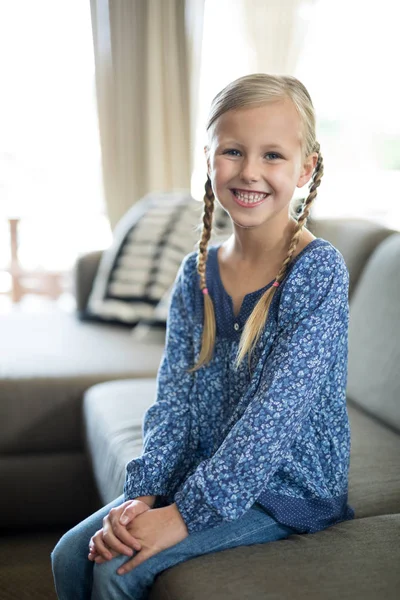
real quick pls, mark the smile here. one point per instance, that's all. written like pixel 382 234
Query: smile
pixel 250 199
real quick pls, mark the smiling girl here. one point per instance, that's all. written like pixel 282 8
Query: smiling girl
pixel 236 452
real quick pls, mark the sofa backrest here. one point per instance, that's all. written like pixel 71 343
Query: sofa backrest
pixel 356 239
pixel 374 335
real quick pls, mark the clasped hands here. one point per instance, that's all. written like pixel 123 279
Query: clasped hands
pixel 134 526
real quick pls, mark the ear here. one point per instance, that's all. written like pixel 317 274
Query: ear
pixel 207 152
pixel 307 169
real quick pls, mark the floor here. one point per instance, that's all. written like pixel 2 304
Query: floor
pixel 25 568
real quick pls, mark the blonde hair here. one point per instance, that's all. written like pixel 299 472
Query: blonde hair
pixel 250 91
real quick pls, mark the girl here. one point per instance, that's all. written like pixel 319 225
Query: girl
pixel 236 452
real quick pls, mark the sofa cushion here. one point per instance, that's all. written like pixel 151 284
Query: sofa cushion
pixel 374 334
pixel 354 560
pixel 47 361
pixel 113 416
pixel 374 479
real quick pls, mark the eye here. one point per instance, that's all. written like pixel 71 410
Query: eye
pixel 273 155
pixel 230 150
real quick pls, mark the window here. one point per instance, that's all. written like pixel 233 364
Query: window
pixel 50 161
pixel 349 64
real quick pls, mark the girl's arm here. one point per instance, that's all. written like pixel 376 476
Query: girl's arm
pixel 312 329
pixel 168 446
pixel 167 453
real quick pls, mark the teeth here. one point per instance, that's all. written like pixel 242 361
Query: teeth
pixel 250 198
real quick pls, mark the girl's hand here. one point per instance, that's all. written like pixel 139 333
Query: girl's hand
pixel 113 539
pixel 156 530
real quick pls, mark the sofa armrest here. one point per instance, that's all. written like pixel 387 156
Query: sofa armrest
pixel 85 270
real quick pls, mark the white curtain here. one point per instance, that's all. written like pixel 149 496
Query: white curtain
pixel 194 16
pixel 276 31
pixel 146 92
pixel 242 37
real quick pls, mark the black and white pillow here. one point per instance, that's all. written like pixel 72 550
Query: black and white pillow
pixel 149 244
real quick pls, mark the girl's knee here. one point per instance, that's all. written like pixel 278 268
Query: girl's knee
pixel 69 550
pixel 59 555
pixel 107 584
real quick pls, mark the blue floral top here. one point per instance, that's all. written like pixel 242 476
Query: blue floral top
pixel 218 440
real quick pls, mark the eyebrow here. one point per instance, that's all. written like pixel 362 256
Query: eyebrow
pixel 272 145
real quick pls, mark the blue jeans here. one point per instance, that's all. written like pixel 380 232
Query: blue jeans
pixel 78 578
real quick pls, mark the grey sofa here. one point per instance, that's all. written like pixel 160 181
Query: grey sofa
pixel 72 399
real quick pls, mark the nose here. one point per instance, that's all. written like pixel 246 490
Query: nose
pixel 250 171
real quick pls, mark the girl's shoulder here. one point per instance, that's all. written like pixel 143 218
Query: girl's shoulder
pixel 188 268
pixel 316 260
pixel 319 271
pixel 187 278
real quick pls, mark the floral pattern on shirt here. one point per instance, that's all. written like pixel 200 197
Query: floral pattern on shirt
pixel 218 440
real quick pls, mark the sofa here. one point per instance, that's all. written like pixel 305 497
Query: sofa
pixel 72 399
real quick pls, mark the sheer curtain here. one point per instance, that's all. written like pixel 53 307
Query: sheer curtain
pixel 276 32
pixel 350 65
pixel 146 90
pixel 50 170
pixel 243 37
pixel 346 53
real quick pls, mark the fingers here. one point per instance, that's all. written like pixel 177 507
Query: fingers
pixel 92 551
pixel 133 509
pixel 114 539
pixel 94 556
pixel 99 559
pixel 118 538
pixel 135 561
pixel 99 550
pixel 97 547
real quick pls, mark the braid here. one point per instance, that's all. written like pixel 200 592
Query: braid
pixel 302 220
pixel 209 325
pixel 316 181
pixel 206 232
pixel 256 322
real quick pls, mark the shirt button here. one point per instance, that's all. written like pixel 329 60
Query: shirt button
pixel 236 326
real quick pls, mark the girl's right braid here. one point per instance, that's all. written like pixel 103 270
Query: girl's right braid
pixel 209 324
pixel 206 233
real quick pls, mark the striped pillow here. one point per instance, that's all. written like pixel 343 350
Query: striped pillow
pixel 149 244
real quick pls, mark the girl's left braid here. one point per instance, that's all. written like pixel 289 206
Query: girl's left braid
pixel 302 220
pixel 316 181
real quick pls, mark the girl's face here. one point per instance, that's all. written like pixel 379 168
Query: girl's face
pixel 255 162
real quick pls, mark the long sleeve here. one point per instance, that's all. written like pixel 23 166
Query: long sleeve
pixel 312 329
pixel 167 452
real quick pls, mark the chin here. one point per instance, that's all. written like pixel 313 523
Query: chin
pixel 245 225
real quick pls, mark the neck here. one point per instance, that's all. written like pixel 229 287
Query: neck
pixel 256 246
